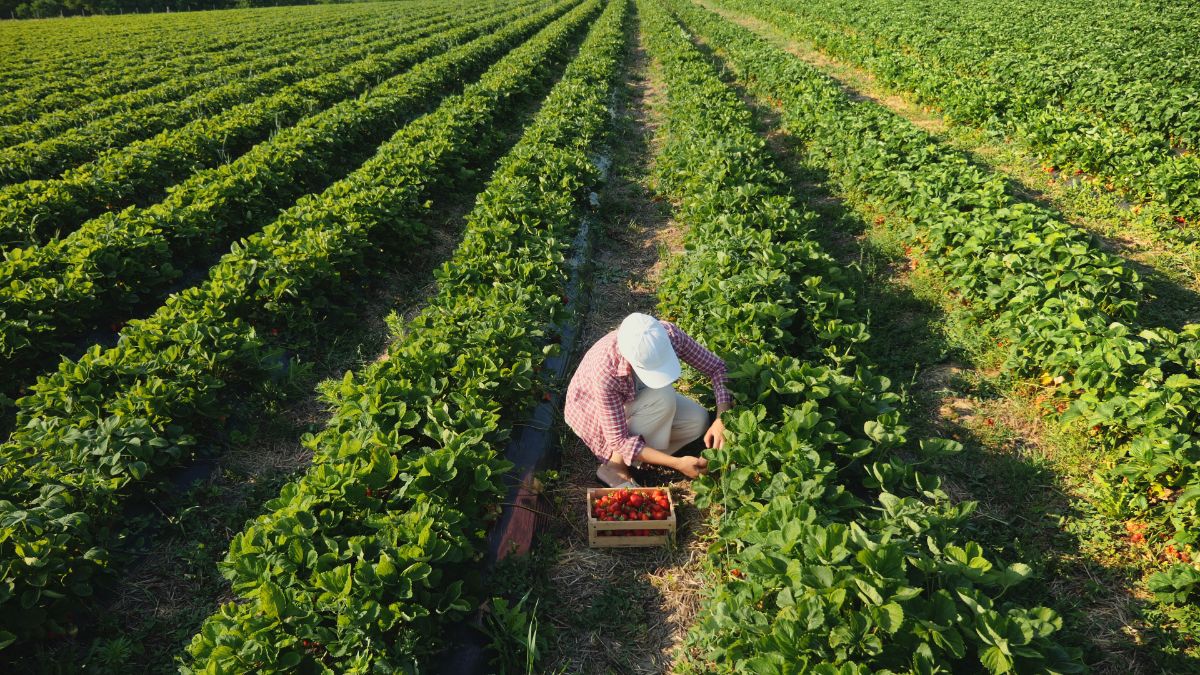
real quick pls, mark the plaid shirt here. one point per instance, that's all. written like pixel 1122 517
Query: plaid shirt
pixel 603 384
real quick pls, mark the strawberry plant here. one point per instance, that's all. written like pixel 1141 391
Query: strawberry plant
pixel 103 427
pixel 1066 309
pixel 80 135
pixel 74 67
pixel 235 62
pixel 1089 92
pixel 36 211
pixel 360 565
pixel 50 294
pixel 1175 585
pixel 833 553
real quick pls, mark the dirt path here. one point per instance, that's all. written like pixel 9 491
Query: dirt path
pixel 1166 258
pixel 622 610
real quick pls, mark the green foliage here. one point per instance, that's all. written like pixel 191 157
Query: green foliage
pixel 52 293
pixel 46 146
pixel 42 9
pixel 516 637
pixel 32 212
pixel 111 655
pixel 1111 91
pixel 1068 309
pixel 617 611
pixel 109 424
pixel 359 565
pixel 833 553
pixel 1176 584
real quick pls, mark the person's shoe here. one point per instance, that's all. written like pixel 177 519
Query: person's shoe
pixel 610 477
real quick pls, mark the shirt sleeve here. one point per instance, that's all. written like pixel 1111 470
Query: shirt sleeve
pixel 695 355
pixel 615 425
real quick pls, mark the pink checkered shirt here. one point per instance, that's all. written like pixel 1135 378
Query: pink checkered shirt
pixel 603 384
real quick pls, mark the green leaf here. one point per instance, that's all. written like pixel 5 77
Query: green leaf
pixel 996 661
pixel 891 617
pixel 272 600
pixel 386 569
pixel 138 469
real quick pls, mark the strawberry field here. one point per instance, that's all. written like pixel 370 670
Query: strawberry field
pixel 288 295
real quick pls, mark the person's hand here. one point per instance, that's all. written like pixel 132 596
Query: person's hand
pixel 692 466
pixel 715 436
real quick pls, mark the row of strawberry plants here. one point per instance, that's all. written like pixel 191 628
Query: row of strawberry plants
pixel 37 44
pixel 51 295
pixel 833 554
pixel 76 50
pixel 50 90
pixel 87 136
pixel 54 293
pixel 363 562
pixel 1069 134
pixel 140 172
pixel 246 59
pixel 107 426
pixel 1129 63
pixel 69 138
pixel 1066 310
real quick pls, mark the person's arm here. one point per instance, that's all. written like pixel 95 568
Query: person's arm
pixel 615 424
pixel 695 355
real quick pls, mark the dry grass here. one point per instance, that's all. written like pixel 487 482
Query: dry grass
pixel 663 583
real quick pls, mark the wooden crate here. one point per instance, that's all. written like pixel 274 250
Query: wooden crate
pixel 595 527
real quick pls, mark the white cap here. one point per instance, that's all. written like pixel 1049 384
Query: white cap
pixel 644 342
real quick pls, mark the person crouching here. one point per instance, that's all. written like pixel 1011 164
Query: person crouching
pixel 623 406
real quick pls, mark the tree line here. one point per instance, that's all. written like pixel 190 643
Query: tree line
pixel 34 9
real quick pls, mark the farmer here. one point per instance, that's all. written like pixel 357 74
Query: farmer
pixel 621 402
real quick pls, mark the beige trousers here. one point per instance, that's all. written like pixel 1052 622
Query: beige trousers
pixel 666 419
